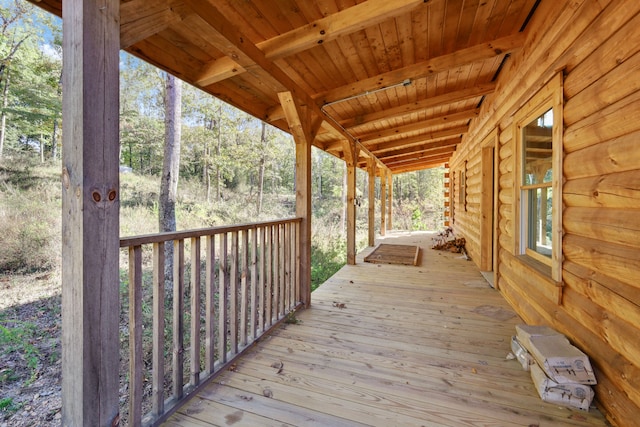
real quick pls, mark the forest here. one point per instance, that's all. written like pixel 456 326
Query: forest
pixel 233 168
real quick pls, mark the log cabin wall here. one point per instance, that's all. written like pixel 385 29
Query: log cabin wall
pixel 596 46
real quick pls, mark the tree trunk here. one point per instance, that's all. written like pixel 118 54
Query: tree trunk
pixel 170 166
pixel 343 219
pixel 263 140
pixel 218 151
pixel 54 140
pixel 41 148
pixel 3 118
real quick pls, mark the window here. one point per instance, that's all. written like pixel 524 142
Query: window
pixel 537 192
pixel 539 166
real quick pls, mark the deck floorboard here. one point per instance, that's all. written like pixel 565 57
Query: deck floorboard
pixel 387 345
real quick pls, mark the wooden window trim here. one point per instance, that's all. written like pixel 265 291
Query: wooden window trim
pixel 550 96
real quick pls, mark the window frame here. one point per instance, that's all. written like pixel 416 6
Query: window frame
pixel 550 97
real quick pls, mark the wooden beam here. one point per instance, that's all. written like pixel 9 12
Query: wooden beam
pixel 140 19
pixel 418 164
pixel 371 169
pixel 218 70
pixel 299 119
pixel 443 119
pixel 426 68
pixel 90 214
pixel 417 167
pixel 424 104
pixel 447 143
pixel 350 160
pixel 347 21
pixel 417 154
pixel 432 137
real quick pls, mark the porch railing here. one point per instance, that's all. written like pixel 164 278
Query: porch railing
pixel 229 285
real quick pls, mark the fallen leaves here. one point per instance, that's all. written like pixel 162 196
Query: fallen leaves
pixel 339 305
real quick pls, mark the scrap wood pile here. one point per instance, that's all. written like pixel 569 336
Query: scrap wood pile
pixel 445 241
pixel 561 373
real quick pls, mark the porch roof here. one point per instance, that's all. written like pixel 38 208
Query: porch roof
pixel 401 79
pixel 387 345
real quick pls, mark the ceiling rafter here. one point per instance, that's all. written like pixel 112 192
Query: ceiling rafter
pixel 140 19
pixel 419 155
pixel 347 21
pixel 443 146
pixel 419 164
pixel 444 134
pixel 412 107
pixel 442 119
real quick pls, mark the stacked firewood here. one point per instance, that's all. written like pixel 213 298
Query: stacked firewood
pixel 445 241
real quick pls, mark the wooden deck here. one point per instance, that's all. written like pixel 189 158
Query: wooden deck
pixel 386 345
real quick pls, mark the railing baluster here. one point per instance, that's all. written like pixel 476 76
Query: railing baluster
pixel 178 318
pixel 233 295
pixel 261 278
pixel 253 316
pixel 258 282
pixel 244 291
pixel 157 395
pixel 268 251
pixel 288 266
pixel 195 311
pixel 283 276
pixel 276 272
pixel 135 335
pixel 296 257
pixel 223 315
pixel 210 305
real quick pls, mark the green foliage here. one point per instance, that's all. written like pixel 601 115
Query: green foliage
pixel 327 257
pixel 18 337
pixel 8 406
pixel 30 212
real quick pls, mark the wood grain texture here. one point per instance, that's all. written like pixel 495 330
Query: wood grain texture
pixel 387 345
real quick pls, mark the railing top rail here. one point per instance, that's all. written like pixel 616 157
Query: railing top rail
pixel 199 232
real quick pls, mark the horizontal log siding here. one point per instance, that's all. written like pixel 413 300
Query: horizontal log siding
pixel 597 45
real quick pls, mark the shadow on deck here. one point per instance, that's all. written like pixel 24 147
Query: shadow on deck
pixel 386 345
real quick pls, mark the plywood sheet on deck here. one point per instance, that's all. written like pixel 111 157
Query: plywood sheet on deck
pixel 385 253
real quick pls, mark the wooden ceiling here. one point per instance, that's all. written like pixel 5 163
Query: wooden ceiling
pixel 402 79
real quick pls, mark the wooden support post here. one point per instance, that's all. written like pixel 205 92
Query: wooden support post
pixel 390 197
pixel 304 131
pixel 372 201
pixel 383 202
pixel 90 214
pixel 351 157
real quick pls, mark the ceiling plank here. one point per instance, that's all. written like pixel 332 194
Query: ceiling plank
pixel 412 107
pixel 329 28
pixel 442 119
pixel 426 68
